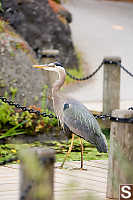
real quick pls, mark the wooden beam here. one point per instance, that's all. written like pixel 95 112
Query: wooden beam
pixel 36 173
pixel 111 85
pixel 121 154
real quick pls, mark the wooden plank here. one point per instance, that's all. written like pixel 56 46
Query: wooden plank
pixel 92 180
pixel 83 175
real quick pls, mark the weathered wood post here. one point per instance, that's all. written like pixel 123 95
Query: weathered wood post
pixel 120 167
pixel 36 174
pixel 48 56
pixel 111 84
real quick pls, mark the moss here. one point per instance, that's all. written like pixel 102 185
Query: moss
pixel 22 46
pixel 2 83
pixel 1 9
pixel 74 72
pixel 77 73
pixel 57 1
pixel 3 26
pixel 12 54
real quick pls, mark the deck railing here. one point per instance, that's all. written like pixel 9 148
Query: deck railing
pixel 121 145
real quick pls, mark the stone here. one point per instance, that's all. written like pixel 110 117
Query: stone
pixel 17 77
pixel 43 28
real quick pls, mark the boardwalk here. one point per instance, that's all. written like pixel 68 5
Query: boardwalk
pixel 69 184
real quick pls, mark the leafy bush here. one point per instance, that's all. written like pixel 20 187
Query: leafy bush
pixel 14 121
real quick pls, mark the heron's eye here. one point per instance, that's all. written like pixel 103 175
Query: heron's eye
pixel 66 106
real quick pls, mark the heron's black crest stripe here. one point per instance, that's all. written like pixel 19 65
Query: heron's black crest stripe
pixel 58 64
pixel 66 106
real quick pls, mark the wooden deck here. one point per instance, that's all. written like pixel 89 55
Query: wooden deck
pixel 69 183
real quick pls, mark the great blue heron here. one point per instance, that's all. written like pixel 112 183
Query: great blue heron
pixel 73 115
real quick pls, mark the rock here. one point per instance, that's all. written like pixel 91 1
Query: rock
pixel 16 72
pixel 43 28
pixel 60 11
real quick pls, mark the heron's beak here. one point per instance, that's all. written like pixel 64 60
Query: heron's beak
pixel 40 66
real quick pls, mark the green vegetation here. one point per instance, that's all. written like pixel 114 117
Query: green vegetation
pixel 77 73
pixel 14 122
pixel 2 25
pixel 1 9
pixel 57 1
pixel 74 72
pixel 90 152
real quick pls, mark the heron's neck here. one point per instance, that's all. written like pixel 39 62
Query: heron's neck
pixel 58 84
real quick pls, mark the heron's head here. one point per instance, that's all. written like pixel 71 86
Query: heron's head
pixel 50 67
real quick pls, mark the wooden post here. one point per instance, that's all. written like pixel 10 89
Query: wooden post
pixel 111 85
pixel 36 172
pixel 120 167
pixel 49 56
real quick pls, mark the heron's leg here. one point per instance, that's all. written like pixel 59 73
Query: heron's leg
pixel 69 151
pixel 82 148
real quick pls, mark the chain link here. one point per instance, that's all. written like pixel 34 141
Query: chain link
pixel 103 117
pixel 131 108
pixel 115 119
pixel 104 62
pixel 24 108
pixel 111 62
pixel 87 77
pixel 44 114
pixel 122 67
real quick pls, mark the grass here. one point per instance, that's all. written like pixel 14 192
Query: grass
pixel 13 123
pixel 90 152
pixel 77 73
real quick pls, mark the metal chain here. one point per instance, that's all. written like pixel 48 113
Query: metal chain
pixel 87 77
pixel 115 119
pixel 111 62
pixel 131 108
pixel 24 108
pixel 103 117
pixel 44 114
pixel 122 67
pixel 104 62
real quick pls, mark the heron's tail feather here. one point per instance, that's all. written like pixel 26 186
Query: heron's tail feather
pixel 101 143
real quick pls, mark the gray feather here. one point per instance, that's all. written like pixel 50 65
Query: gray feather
pixel 81 122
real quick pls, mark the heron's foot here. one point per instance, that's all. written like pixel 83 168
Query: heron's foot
pixel 58 167
pixel 61 166
pixel 83 169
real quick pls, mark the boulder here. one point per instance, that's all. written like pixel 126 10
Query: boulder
pixel 42 27
pixel 18 79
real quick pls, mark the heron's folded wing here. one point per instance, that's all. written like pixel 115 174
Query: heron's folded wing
pixel 80 121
